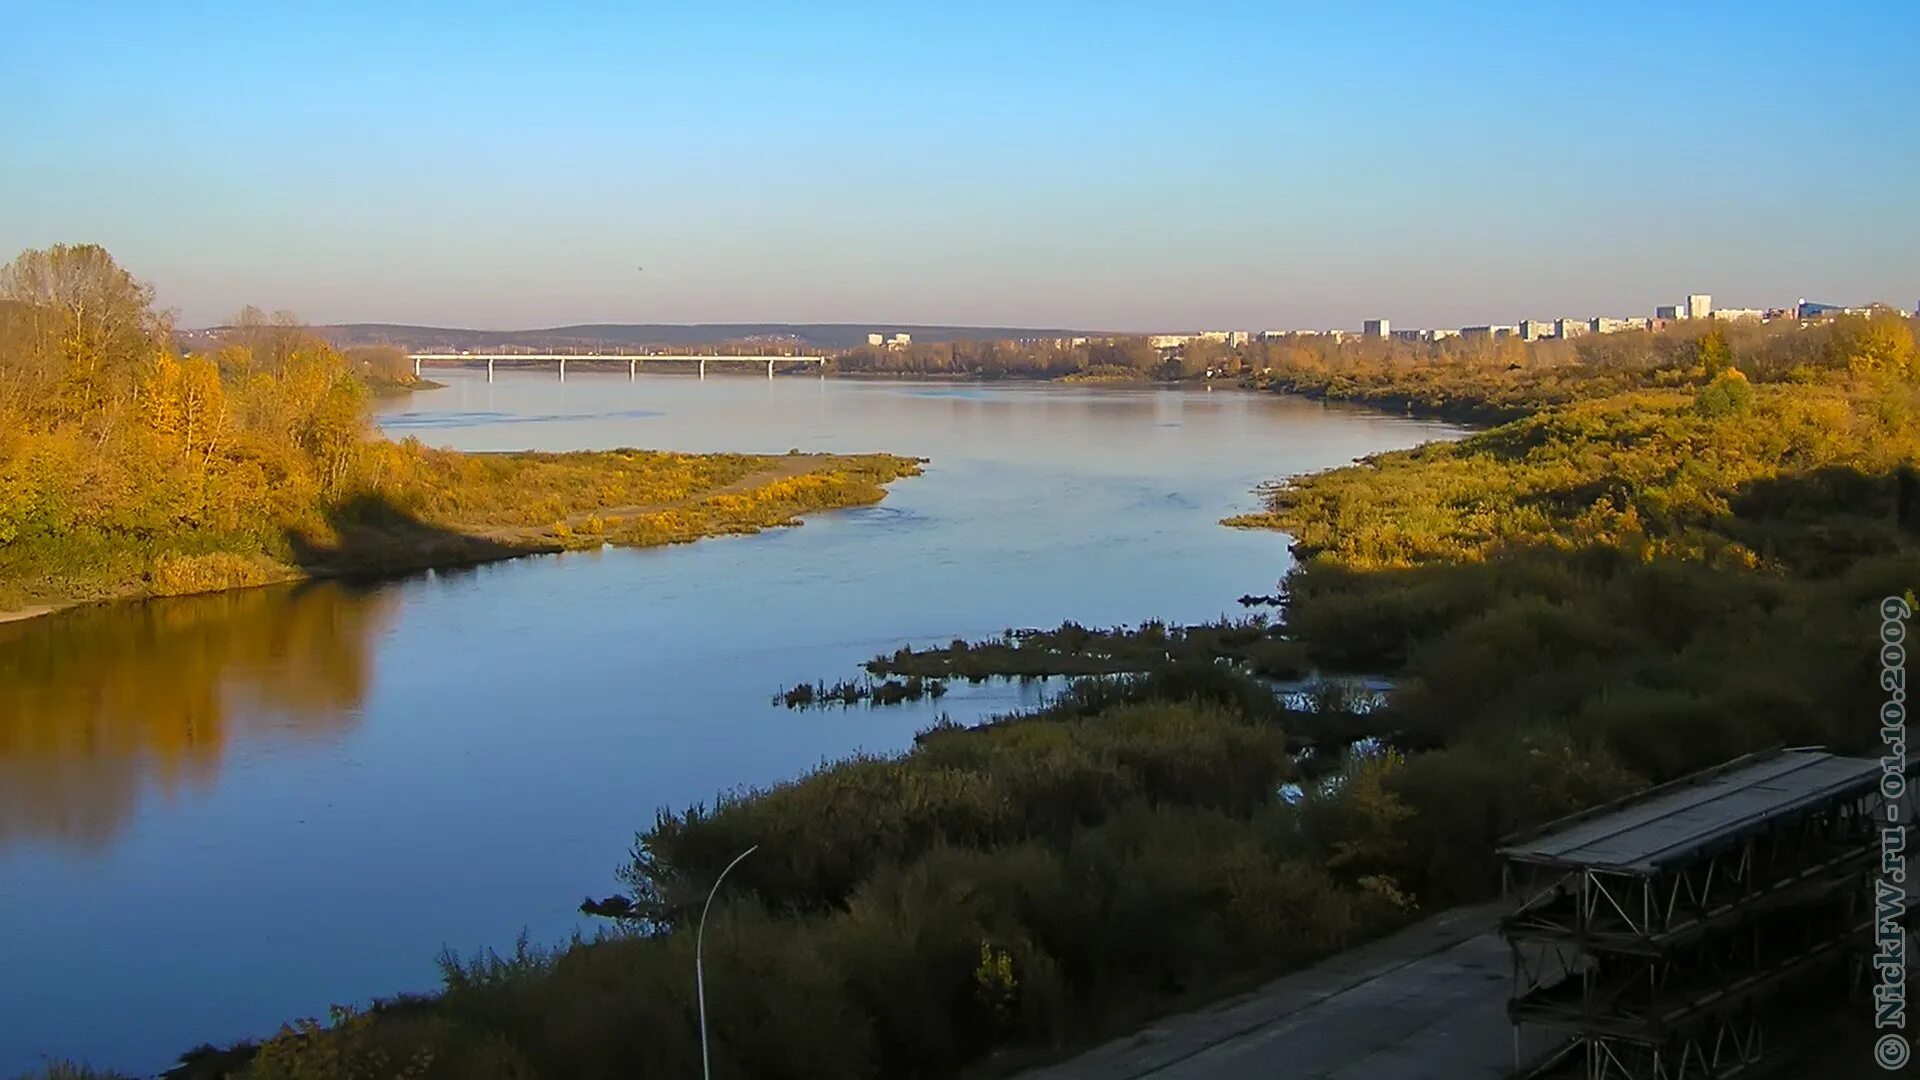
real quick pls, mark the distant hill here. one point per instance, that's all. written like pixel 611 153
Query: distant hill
pixel 815 335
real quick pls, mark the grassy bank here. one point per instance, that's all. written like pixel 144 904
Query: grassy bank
pixel 128 469
pixel 993 897
pixel 439 508
pixel 1673 576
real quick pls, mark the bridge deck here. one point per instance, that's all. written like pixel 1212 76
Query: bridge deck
pixel 633 360
pixel 760 358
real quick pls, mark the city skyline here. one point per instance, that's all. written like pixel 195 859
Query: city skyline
pixel 1373 326
pixel 1097 167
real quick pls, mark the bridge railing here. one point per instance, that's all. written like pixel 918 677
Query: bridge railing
pixel 633 360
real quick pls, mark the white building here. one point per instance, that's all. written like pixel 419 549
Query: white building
pixel 1376 328
pixel 900 341
pixel 1737 314
pixel 1604 325
pixel 1535 329
pixel 1441 335
pixel 876 339
pixel 1699 305
pixel 1236 338
pixel 1569 328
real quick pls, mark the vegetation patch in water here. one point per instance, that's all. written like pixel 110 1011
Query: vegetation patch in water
pixel 1072 649
pixel 849 692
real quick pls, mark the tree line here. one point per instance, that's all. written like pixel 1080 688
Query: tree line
pixel 1326 363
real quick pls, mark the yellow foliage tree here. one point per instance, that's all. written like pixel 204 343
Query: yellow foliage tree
pixel 1881 344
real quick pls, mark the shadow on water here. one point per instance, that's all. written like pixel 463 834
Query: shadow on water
pixel 101 706
pixel 371 538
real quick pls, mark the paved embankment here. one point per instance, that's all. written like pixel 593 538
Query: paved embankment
pixel 1427 1002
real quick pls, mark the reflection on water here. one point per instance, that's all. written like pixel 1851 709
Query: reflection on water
pixel 284 798
pixel 105 706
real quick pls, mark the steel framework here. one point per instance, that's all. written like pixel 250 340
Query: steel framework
pixel 1657 938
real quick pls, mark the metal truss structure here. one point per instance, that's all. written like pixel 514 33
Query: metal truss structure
pixel 1659 937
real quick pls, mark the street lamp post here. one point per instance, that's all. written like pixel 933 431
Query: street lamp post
pixel 699 972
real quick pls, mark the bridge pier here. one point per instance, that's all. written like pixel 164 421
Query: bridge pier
pixel 769 369
pixel 630 369
pixel 563 369
pixel 416 367
pixel 489 369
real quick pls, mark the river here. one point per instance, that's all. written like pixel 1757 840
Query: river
pixel 218 813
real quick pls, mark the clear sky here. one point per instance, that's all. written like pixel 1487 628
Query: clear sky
pixel 1104 165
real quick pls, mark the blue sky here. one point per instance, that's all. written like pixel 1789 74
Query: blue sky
pixel 1110 165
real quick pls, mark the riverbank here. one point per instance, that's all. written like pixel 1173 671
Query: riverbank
pixel 443 509
pixel 1578 602
pixel 131 469
pixel 977 904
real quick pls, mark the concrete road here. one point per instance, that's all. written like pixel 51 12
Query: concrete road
pixel 1427 1003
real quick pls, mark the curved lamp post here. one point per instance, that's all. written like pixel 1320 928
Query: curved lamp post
pixel 699 972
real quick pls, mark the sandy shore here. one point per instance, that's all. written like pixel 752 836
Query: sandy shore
pixel 32 611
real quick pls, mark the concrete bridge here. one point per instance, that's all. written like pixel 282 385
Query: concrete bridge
pixel 632 359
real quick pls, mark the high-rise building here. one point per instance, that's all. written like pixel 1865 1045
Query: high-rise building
pixel 1699 305
pixel 1376 328
pixel 1667 311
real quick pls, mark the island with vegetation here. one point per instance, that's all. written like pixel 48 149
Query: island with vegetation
pixel 129 469
pixel 1669 550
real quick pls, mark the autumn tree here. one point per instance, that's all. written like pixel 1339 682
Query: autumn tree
pixel 270 340
pixel 80 331
pixel 1714 353
pixel 1880 344
pixel 1199 356
pixel 381 363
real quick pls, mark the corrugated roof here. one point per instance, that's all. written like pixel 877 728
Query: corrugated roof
pixel 1670 824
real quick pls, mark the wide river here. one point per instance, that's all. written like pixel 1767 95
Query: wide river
pixel 219 813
